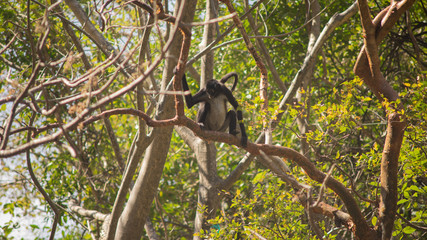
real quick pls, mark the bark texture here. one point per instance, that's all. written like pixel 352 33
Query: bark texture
pixel 132 220
pixel 368 69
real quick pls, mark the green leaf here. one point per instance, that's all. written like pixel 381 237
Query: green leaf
pixel 259 177
pixel 374 221
pixel 408 230
pixel 33 226
pixel 415 188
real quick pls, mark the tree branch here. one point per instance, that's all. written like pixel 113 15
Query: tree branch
pixel 264 74
pixel 39 187
pixel 74 206
pixel 368 69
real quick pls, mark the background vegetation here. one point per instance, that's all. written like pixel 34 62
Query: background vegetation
pixel 52 65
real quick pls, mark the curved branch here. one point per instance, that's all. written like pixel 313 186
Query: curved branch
pixel 107 99
pixel 302 161
pixel 20 97
pixel 39 187
pixel 367 67
pixel 382 23
pixel 361 227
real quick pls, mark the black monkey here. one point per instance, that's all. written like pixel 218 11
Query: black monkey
pixel 213 113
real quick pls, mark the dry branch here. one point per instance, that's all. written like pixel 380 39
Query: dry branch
pixel 74 206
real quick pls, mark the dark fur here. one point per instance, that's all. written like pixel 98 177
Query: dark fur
pixel 213 113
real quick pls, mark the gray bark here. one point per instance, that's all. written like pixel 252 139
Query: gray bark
pixel 310 59
pixel 313 8
pixel 133 218
pixel 205 152
pixel 264 51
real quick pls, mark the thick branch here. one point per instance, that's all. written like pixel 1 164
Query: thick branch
pixel 255 149
pixel 383 23
pixel 368 69
pixel 90 28
pixel 362 229
pixel 137 208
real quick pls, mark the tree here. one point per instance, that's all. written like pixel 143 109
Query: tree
pixel 324 135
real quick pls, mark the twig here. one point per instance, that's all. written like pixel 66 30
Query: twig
pixel 421 228
pixel 215 20
pixel 220 37
pixel 322 188
pixel 8 44
pixel 15 105
pixel 310 216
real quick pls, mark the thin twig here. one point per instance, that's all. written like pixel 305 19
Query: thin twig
pixel 215 20
pixel 322 188
pixel 421 228
pixel 39 186
pixel 8 44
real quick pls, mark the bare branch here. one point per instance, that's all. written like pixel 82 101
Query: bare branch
pixel 367 67
pixel 336 20
pixel 220 37
pixel 219 19
pixel 8 44
pixel 39 187
pixel 74 206
pixel 20 97
pixel 264 52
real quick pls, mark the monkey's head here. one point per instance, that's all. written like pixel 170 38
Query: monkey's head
pixel 213 87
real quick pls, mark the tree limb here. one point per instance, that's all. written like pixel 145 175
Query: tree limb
pixel 368 69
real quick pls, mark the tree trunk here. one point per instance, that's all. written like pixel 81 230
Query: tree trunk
pixel 313 8
pixel 208 197
pixel 132 220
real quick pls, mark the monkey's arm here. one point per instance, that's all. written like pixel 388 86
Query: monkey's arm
pixel 189 99
pixel 231 99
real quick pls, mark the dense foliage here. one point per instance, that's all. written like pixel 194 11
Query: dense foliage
pixel 346 122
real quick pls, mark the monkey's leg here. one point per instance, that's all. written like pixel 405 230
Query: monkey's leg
pixel 231 122
pixel 202 114
pixel 244 139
